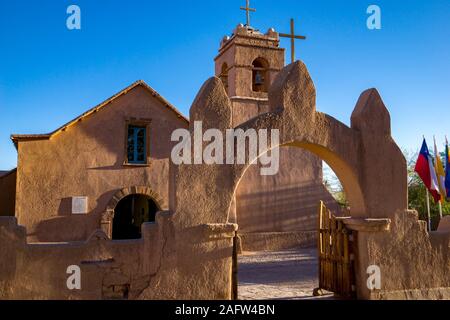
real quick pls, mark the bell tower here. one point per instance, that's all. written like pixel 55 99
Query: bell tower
pixel 247 63
pixel 284 204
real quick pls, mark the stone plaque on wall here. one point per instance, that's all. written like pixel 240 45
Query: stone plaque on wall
pixel 79 205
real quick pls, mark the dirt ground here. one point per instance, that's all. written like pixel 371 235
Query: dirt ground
pixel 284 275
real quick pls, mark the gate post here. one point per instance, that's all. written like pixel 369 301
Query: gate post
pixel 234 269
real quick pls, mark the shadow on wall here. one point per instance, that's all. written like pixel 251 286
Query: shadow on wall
pixel 282 209
pixel 68 227
pixel 108 129
pixel 71 228
pixel 65 207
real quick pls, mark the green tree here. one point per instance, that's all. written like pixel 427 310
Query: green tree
pixel 334 186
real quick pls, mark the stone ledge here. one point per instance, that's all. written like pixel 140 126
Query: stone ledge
pixel 367 224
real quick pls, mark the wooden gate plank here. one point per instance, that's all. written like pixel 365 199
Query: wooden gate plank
pixel 335 265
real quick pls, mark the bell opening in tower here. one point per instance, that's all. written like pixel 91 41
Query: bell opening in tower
pixel 260 82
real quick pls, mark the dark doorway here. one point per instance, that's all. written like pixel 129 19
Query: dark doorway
pixel 129 215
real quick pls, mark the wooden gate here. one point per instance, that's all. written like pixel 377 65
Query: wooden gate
pixel 336 272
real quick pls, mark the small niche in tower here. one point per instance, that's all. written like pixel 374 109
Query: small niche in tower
pixel 260 82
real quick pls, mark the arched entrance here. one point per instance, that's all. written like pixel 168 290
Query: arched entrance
pixel 129 215
pixel 285 202
pixel 364 156
pixel 128 208
pixel 341 168
pixel 277 219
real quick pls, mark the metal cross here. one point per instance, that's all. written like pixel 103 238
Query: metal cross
pixel 292 36
pixel 248 10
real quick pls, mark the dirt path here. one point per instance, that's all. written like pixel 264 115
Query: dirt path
pixel 290 274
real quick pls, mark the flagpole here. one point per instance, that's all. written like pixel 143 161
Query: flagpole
pixel 428 210
pixel 446 168
pixel 436 155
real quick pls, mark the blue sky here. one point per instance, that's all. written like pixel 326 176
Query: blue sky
pixel 49 75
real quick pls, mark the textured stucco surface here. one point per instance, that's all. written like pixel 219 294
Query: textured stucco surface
pixel 88 160
pixel 158 266
pixel 274 241
pixel 444 224
pixel 414 264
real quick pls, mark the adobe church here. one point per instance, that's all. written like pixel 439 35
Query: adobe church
pixel 109 168
pixel 107 175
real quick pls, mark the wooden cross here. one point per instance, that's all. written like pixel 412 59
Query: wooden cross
pixel 292 36
pixel 248 10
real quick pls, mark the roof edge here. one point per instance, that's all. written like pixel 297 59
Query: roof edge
pixel 16 138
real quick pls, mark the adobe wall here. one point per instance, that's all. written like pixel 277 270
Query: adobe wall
pixel 158 266
pixel 245 109
pixel 414 264
pixel 444 224
pixel 286 201
pixel 276 241
pixel 8 193
pixel 88 160
pixel 283 202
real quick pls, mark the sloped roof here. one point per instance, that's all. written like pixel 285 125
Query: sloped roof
pixel 16 138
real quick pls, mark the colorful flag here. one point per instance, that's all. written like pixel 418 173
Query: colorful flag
pixel 440 173
pixel 425 170
pixel 447 169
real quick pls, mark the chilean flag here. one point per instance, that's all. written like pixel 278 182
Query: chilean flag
pixel 425 170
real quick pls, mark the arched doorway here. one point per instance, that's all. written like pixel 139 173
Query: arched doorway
pixel 341 168
pixel 285 203
pixel 145 192
pixel 129 215
pixel 278 217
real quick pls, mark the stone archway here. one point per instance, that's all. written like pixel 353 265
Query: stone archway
pixel 363 155
pixel 108 216
pixel 344 172
pixel 366 158
pixel 270 248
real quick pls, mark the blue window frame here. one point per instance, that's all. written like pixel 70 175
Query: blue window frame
pixel 137 144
